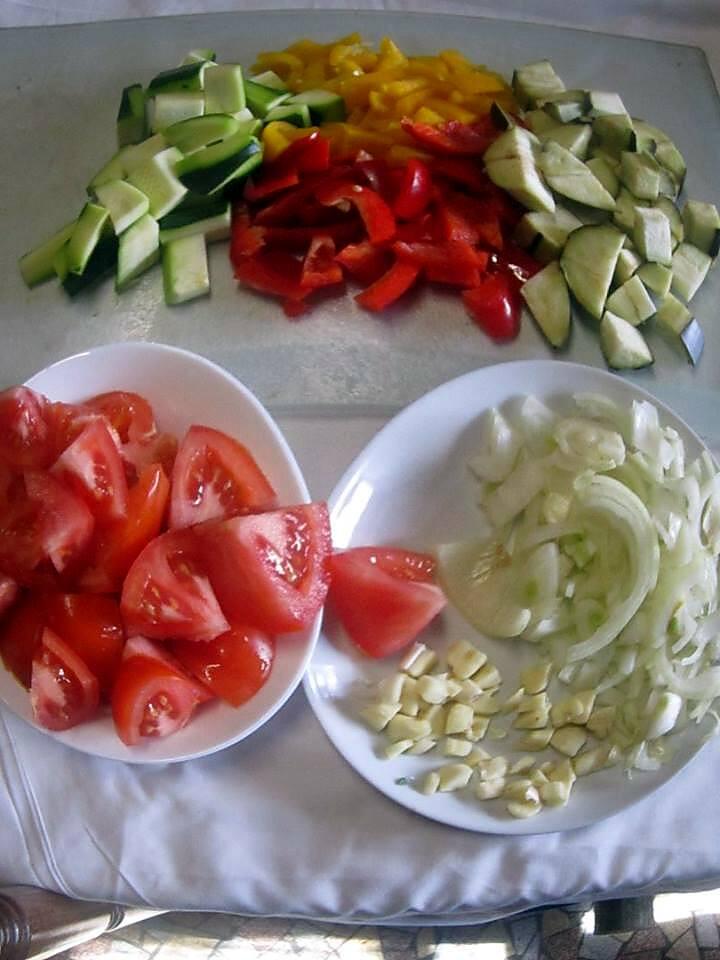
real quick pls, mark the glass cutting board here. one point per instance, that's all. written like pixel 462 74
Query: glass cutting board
pixel 59 92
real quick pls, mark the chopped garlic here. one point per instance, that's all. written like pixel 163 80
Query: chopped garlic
pixel 422 746
pixel 465 659
pixel 535 739
pixel 393 750
pixel 459 718
pixel 535 678
pixel 555 793
pixel 568 740
pixel 378 715
pixel 433 688
pixel 489 789
pixel 407 728
pixel 522 765
pixel 454 747
pixel 430 783
pixel 521 810
pixel 454 776
pixel 478 728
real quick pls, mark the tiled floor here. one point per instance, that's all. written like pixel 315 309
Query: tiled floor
pixel 685 927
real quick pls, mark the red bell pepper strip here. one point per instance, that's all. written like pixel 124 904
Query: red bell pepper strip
pixel 495 306
pixel 364 262
pixel 515 263
pixel 390 287
pixel 453 262
pixel 270 183
pixel 245 241
pixel 466 173
pixel 414 191
pixel 299 238
pixel 376 214
pixel 319 268
pixel 310 154
pixel 451 138
pixel 275 272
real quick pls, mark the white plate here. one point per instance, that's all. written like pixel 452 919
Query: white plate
pixel 410 487
pixel 183 388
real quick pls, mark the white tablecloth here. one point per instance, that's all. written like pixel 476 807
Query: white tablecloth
pixel 280 824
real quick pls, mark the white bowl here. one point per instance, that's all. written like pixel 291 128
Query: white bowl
pixel 183 388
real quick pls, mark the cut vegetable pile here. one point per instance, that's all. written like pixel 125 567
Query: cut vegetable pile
pixel 422 134
pixel 604 556
pixel 142 574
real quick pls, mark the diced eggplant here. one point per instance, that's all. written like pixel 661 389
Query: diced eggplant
pixel 572 178
pixel 547 296
pixel 651 235
pixel 535 82
pixel 702 226
pixel 623 346
pixel 632 302
pixel 689 268
pixel 588 262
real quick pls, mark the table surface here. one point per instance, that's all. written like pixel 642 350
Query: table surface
pixel 336 406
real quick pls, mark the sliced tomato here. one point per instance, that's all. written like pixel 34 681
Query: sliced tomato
pixel 20 634
pixel 384 596
pixel 216 477
pixel 92 466
pixel 151 698
pixel 139 646
pixel 9 592
pixel 90 625
pixel 234 665
pixel 167 594
pixel 63 692
pixel 118 544
pixel 63 524
pixel 130 414
pixel 25 436
pixel 270 569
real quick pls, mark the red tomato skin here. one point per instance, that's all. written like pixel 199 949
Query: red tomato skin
pixel 234 665
pixel 139 646
pixel 63 692
pixel 150 698
pixel 384 596
pixel 166 592
pixel 9 592
pixel 215 477
pixel 20 634
pixel 242 556
pixel 129 414
pixel 25 436
pixel 90 625
pixel 92 466
pixel 118 544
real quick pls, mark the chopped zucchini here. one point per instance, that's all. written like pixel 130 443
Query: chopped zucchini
pixel 124 202
pixel 198 132
pixel 601 103
pixel 651 235
pixel 185 269
pixel 85 236
pixel 623 347
pixel 545 234
pixel 674 317
pixel 158 180
pixel 261 99
pixel 640 174
pixel 631 301
pixel 588 262
pixel 114 169
pixel 572 178
pixel 535 82
pixel 131 124
pixel 702 226
pixel 138 250
pixel 100 263
pixel 605 174
pixel 656 277
pixel 203 53
pixel 140 153
pixel 236 165
pixel 547 296
pixel 188 76
pixel 38 264
pixel 324 106
pixel 296 113
pixel 614 132
pixel 575 137
pixel 213 222
pixel 628 263
pixel 224 89
pixel 173 106
pixel 689 268
pixel 268 78
pixel 520 177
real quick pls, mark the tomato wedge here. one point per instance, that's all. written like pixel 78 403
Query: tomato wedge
pixel 269 570
pixel 384 596
pixel 63 525
pixel 216 477
pixel 90 625
pixel 151 698
pixel 234 665
pixel 167 594
pixel 20 635
pixel 63 692
pixel 128 413
pixel 25 436
pixel 92 466
pixel 118 544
